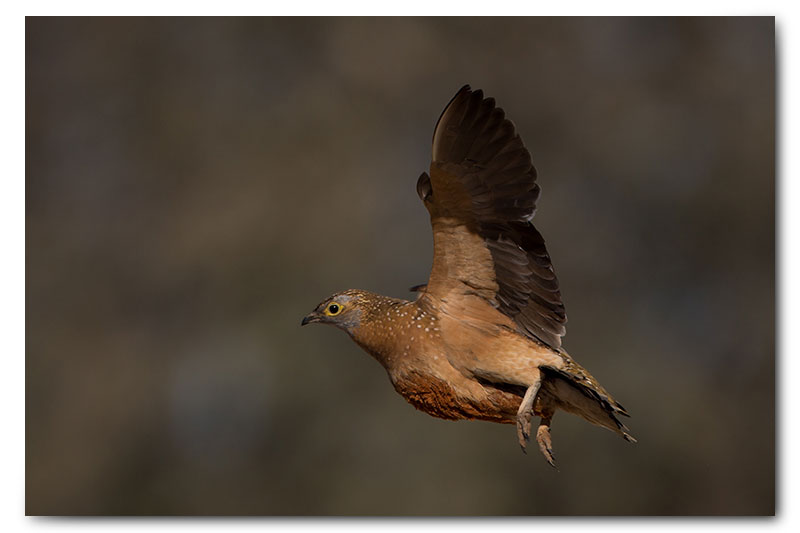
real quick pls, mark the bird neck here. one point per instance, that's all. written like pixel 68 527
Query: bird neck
pixel 381 328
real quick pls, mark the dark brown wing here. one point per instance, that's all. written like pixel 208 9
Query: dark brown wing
pixel 481 194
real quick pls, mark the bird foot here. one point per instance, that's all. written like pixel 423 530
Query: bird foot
pixel 524 414
pixel 545 444
pixel 524 429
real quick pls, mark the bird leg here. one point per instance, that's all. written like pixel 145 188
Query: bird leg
pixel 525 412
pixel 543 438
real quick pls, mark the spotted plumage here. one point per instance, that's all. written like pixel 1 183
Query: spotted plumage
pixel 483 338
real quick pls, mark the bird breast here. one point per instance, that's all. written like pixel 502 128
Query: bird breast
pixel 455 398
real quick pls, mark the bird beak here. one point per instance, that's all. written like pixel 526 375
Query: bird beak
pixel 309 319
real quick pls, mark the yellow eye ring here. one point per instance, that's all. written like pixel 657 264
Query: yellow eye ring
pixel 333 309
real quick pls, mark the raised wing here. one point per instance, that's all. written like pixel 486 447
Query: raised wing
pixel 481 195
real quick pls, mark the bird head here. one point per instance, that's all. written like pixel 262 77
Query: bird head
pixel 343 310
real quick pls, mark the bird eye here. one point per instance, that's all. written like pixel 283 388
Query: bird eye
pixel 333 309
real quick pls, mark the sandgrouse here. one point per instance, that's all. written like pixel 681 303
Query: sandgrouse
pixel 483 338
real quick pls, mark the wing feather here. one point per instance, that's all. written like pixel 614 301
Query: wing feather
pixel 482 179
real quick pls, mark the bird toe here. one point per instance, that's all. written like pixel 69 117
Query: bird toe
pixel 545 444
pixel 524 431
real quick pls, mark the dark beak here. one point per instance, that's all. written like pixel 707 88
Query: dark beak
pixel 309 319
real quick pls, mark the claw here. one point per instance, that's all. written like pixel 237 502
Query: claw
pixel 524 414
pixel 524 429
pixel 545 444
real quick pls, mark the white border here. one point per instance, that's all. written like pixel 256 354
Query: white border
pixel 13 239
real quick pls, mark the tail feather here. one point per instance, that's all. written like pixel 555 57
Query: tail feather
pixel 574 390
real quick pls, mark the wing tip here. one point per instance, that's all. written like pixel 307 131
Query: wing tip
pixel 464 94
pixel 465 89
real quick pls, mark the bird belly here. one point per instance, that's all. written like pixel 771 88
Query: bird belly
pixel 462 401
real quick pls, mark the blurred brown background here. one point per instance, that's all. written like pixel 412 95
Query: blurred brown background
pixel 196 186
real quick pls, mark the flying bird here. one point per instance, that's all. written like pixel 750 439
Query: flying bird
pixel 482 340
